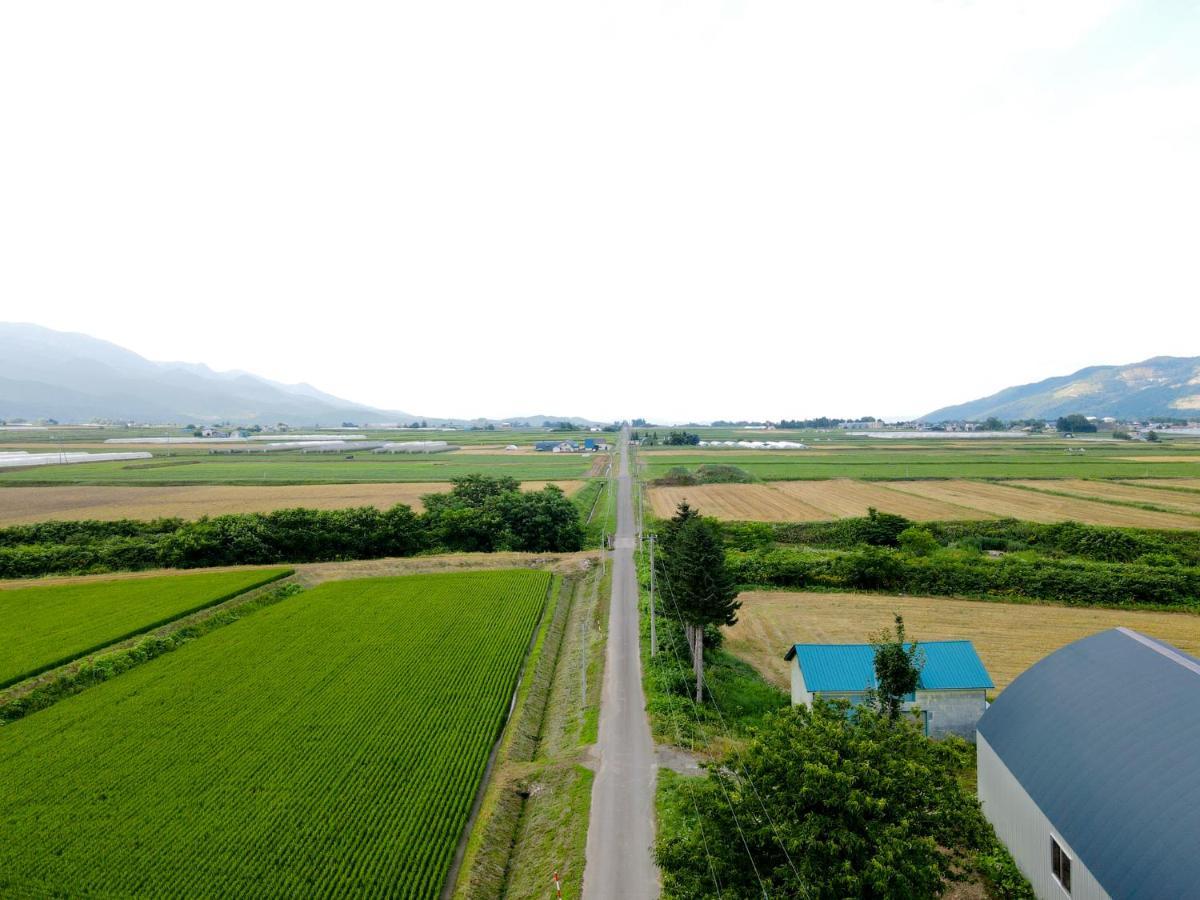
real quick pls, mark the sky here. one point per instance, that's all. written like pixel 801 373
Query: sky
pixel 673 209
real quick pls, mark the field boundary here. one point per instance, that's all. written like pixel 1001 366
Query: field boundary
pixel 273 577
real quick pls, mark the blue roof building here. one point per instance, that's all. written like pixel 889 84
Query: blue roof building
pixel 1088 769
pixel 951 693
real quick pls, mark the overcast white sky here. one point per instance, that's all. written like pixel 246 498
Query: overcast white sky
pixel 676 210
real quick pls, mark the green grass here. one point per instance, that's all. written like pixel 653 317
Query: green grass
pixel 293 468
pixel 45 626
pixel 331 744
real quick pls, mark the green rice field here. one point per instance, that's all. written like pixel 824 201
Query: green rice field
pixel 44 626
pixel 329 745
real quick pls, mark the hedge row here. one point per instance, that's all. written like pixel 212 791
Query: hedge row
pixel 480 514
pixel 1063 539
pixel 1062 581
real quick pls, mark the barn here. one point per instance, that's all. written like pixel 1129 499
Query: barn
pixel 1088 769
pixel 951 693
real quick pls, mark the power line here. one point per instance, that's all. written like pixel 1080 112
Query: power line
pixel 729 734
pixel 696 712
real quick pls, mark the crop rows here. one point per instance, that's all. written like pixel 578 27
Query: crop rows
pixel 329 745
pixel 42 626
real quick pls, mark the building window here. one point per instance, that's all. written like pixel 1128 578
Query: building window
pixel 1060 865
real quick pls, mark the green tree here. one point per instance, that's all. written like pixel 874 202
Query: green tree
pixel 917 541
pixel 898 666
pixel 834 803
pixel 691 565
pixel 1075 423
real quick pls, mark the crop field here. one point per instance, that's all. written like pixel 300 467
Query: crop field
pixel 44 626
pixel 1124 492
pixel 1009 637
pixel 294 468
pixel 22 505
pixel 329 745
pixel 1028 458
pixel 1035 506
pixel 1096 503
pixel 803 501
pixel 1170 484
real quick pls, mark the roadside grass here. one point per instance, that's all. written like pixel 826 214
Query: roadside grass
pixel 534 816
pixel 737 697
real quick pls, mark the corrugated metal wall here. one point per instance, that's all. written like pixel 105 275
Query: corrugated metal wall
pixel 1026 832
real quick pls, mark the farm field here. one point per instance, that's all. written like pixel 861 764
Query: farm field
pixel 808 501
pixel 1010 637
pixel 1124 492
pixel 329 745
pixel 23 505
pixel 1028 458
pixel 294 468
pixel 1014 502
pixel 43 626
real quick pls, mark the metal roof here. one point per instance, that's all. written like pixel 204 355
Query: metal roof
pixel 1102 734
pixel 949 665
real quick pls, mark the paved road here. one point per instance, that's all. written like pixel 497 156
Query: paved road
pixel 620 862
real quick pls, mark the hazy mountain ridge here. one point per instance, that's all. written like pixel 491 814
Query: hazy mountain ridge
pixel 72 377
pixel 76 378
pixel 1160 386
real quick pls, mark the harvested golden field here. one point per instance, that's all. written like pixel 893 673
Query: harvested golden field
pixel 843 497
pixel 1017 503
pixel 1128 492
pixel 1009 637
pixel 1191 484
pixel 736 502
pixel 22 505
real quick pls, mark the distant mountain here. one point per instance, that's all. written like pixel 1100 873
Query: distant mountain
pixel 75 378
pixel 1162 386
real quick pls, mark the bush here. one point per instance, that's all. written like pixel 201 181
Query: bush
pixel 918 541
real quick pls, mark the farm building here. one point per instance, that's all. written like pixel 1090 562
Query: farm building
pixel 1088 771
pixel 951 694
pixel 556 446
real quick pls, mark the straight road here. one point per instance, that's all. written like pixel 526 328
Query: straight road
pixel 620 861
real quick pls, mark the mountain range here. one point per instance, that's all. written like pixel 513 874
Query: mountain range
pixel 70 377
pixel 1164 386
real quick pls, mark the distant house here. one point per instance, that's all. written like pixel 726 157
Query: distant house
pixel 556 446
pixel 1088 769
pixel 951 694
pixel 213 433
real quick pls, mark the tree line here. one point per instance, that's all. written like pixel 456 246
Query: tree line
pixel 479 514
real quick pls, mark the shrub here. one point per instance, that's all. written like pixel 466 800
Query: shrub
pixel 917 541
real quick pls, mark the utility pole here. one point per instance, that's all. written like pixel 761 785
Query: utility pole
pixel 653 628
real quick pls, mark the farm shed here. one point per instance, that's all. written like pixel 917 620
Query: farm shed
pixel 951 693
pixel 1088 769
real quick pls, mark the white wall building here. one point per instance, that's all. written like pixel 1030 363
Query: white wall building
pixel 1088 770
